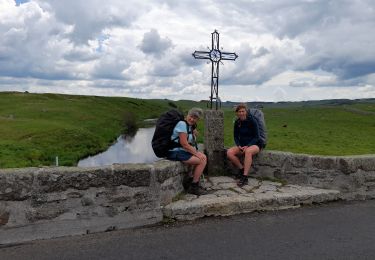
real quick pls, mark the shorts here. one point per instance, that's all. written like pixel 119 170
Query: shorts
pixel 179 155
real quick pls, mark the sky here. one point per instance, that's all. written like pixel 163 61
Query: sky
pixel 288 50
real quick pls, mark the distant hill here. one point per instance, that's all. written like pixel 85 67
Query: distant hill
pixel 310 103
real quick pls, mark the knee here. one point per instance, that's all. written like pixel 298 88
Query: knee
pixel 201 161
pixel 229 153
pixel 249 153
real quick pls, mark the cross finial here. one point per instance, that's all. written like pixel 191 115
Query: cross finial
pixel 216 56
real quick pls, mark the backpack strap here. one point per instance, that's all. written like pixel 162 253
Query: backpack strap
pixel 188 132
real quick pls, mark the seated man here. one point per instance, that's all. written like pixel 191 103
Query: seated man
pixel 248 143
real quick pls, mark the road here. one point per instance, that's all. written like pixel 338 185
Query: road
pixel 338 230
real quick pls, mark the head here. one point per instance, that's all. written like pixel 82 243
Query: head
pixel 241 111
pixel 194 115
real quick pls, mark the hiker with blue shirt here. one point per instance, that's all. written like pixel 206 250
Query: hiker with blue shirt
pixel 248 143
pixel 185 134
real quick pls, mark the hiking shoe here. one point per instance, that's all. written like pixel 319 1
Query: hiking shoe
pixel 238 174
pixel 186 181
pixel 196 189
pixel 243 181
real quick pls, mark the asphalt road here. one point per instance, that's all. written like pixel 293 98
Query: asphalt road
pixel 332 231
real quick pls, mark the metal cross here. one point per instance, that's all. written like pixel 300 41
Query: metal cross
pixel 216 56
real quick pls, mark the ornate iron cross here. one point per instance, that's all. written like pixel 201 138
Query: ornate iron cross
pixel 216 56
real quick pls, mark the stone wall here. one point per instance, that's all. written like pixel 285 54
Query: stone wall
pixel 39 203
pixel 353 176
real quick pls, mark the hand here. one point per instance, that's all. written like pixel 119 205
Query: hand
pixel 201 156
pixel 243 148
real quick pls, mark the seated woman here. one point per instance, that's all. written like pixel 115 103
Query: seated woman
pixel 184 134
pixel 248 143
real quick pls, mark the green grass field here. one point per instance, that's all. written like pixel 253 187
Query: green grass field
pixel 37 127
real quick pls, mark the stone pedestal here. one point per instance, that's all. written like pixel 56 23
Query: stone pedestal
pixel 214 141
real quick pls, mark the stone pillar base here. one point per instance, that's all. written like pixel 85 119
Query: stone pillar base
pixel 214 141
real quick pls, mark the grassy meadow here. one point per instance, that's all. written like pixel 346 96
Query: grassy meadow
pixel 37 127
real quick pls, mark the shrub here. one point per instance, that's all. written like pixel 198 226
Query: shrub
pixel 129 123
pixel 171 104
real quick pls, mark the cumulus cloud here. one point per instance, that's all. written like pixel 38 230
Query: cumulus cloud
pixel 89 19
pixel 288 49
pixel 153 44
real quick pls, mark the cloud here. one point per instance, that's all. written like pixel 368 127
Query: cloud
pixel 288 49
pixel 32 40
pixel 153 44
pixel 89 19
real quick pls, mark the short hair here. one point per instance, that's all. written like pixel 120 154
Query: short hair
pixel 240 106
pixel 196 112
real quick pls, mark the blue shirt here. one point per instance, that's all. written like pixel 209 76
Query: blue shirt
pixel 181 128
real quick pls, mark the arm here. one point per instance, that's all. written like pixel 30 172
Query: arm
pixel 183 140
pixel 185 144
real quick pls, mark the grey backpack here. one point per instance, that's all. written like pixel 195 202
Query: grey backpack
pixel 259 117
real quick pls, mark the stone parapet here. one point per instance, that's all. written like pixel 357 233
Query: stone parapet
pixel 353 176
pixel 39 203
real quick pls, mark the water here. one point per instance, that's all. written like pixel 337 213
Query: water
pixel 135 149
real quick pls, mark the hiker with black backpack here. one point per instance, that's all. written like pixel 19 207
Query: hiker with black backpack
pixel 249 142
pixel 174 139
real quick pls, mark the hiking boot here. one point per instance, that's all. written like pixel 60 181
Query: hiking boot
pixel 196 189
pixel 243 181
pixel 238 174
pixel 186 181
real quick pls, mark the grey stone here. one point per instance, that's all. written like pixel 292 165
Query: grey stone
pixel 241 203
pixel 87 201
pixel 45 212
pixel 240 190
pixel 4 217
pixel 214 141
pixel 189 197
pixel 225 193
pixel 221 179
pixel 16 184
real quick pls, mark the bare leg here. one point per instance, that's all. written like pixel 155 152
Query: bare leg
pixel 232 156
pixel 249 153
pixel 199 166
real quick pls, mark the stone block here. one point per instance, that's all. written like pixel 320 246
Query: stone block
pixel 45 212
pixel 366 163
pixel 4 215
pixel 169 188
pixel 132 175
pixel 325 163
pixel 165 169
pixel 16 185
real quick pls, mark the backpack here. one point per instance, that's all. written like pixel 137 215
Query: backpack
pixel 258 115
pixel 161 141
